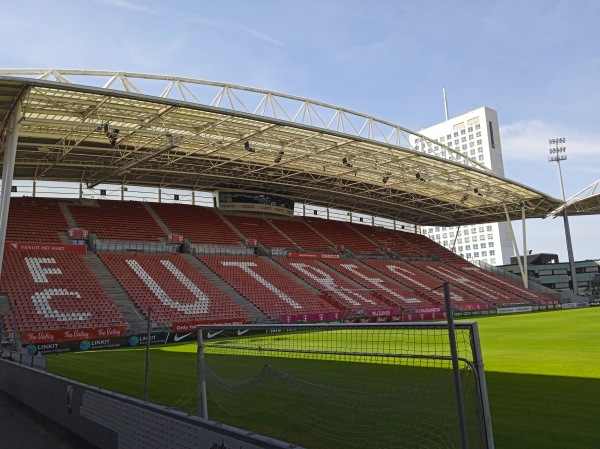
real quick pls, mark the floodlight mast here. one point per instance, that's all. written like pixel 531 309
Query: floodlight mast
pixel 557 154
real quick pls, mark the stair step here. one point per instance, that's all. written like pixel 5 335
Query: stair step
pixel 113 289
pixel 257 315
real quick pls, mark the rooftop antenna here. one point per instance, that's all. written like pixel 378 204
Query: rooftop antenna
pixel 445 103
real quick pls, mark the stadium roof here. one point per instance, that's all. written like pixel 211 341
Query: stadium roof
pixel 135 129
pixel 584 202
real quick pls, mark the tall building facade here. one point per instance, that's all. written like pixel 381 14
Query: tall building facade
pixel 475 135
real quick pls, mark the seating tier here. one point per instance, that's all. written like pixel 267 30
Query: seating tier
pixel 196 223
pixel 266 286
pixel 117 220
pixel 35 220
pixel 424 283
pixel 302 234
pixel 348 294
pixel 55 291
pixel 398 294
pixel 343 234
pixel 261 230
pixel 171 287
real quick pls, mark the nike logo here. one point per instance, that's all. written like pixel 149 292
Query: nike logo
pixel 239 332
pixel 180 337
pixel 212 334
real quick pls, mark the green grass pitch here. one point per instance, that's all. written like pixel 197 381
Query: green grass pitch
pixel 542 371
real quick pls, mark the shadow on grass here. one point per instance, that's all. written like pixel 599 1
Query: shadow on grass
pixel 547 412
pixel 528 411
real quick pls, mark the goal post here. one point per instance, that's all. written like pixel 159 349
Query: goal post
pixel 347 385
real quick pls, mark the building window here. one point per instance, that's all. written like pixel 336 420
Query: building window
pixel 462 131
pixel 483 253
pixel 488 228
pixel 492 252
pixel 481 157
pixel 492 261
pixel 490 236
pixel 475 246
pixel 481 229
pixel 468 247
pixel 470 129
pixel 476 254
pixel 483 245
pixel 456 134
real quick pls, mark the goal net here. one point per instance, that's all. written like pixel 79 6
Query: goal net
pixel 348 385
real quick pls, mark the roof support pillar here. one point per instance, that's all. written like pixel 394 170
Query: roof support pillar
pixel 570 252
pixel 10 153
pixel 526 277
pixel 516 247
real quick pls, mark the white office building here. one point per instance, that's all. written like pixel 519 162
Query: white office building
pixel 475 135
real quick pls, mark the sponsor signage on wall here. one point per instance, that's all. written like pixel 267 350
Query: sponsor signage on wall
pixel 52 247
pixel 425 316
pixel 312 317
pixel 175 238
pixel 55 336
pixel 79 233
pixel 186 326
pixel 298 255
pixel 461 313
pixel 380 312
pixel 91 344
pixel 522 309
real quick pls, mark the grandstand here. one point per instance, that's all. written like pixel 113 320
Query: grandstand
pixel 242 256
pixel 262 247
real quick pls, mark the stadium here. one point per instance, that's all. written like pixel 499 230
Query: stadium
pixel 281 233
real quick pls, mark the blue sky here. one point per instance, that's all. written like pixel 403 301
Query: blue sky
pixel 535 62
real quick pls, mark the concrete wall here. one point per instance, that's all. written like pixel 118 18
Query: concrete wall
pixel 112 421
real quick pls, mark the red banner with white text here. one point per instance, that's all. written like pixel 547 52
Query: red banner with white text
pixel 312 317
pixel 57 335
pixel 52 247
pixel 187 326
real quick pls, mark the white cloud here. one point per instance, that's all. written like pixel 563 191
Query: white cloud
pixel 226 24
pixel 132 6
pixel 260 35
pixel 527 139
